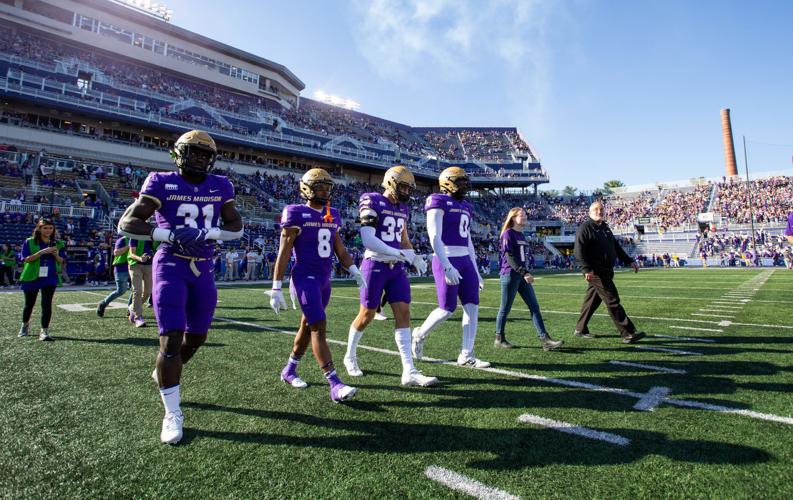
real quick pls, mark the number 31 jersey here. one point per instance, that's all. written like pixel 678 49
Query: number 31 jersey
pixel 457 216
pixel 391 217
pixel 313 249
pixel 181 203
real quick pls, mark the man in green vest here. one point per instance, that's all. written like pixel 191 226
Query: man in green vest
pixel 139 260
pixel 121 272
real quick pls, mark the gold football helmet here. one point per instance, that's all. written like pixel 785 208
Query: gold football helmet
pixel 454 181
pixel 312 179
pixel 399 181
pixel 195 152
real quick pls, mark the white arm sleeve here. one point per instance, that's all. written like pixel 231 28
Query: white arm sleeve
pixel 375 244
pixel 435 232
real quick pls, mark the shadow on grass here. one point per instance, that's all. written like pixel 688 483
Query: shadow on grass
pixel 515 448
pixel 148 341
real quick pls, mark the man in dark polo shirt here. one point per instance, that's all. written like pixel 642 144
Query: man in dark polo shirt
pixel 596 249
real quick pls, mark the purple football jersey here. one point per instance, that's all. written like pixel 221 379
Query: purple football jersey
pixel 457 216
pixel 181 203
pixel 313 250
pixel 392 217
pixel 515 243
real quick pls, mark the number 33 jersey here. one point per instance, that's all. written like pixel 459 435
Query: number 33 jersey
pixel 457 216
pixel 313 249
pixel 391 218
pixel 180 203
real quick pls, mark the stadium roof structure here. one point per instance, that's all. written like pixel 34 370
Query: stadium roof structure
pixel 160 25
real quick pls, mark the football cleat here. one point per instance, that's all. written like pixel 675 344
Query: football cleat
pixel 417 344
pixel 100 309
pixel 351 364
pixel 139 322
pixel 44 335
pixel 415 377
pixel 23 331
pixel 380 316
pixel 471 362
pixel 172 427
pixel 341 392
pixel 290 377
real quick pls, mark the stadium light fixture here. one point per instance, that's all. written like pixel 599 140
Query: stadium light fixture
pixel 148 7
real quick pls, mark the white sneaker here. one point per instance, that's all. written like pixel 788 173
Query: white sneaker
pixel 351 364
pixel 380 316
pixel 415 377
pixel 44 335
pixel 417 344
pixel 471 362
pixel 172 427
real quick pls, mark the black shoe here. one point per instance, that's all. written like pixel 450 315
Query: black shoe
pixel 584 335
pixel 100 309
pixel 633 337
pixel 549 344
pixel 502 343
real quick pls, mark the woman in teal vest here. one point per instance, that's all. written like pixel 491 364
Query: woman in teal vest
pixel 43 255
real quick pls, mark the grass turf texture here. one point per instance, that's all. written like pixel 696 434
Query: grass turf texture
pixel 81 417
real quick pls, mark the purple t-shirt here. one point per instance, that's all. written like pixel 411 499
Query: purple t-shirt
pixel 313 250
pixel 789 230
pixel 457 216
pixel 392 217
pixel 181 203
pixel 121 243
pixel 513 242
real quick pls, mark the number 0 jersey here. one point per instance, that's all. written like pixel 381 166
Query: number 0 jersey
pixel 391 218
pixel 457 217
pixel 181 203
pixel 313 249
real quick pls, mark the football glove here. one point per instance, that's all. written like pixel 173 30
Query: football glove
pixel 277 301
pixel 481 282
pixel 420 264
pixel 358 277
pixel 192 240
pixel 452 275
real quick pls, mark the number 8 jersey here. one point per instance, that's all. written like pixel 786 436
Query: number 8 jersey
pixel 181 203
pixel 457 217
pixel 313 249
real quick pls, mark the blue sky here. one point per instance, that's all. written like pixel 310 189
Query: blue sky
pixel 602 89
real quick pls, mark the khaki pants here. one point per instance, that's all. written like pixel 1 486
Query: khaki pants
pixel 231 267
pixel 141 287
pixel 251 270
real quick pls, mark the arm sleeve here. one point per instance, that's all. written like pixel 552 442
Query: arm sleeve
pixel 580 254
pixel 513 263
pixel 435 233
pixel 372 242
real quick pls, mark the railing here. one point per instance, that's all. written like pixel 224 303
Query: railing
pixel 39 208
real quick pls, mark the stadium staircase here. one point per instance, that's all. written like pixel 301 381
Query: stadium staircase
pixel 713 193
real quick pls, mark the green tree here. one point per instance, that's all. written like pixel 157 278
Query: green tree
pixel 608 186
pixel 569 190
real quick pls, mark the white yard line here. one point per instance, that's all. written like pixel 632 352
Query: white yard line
pixel 714 315
pixel 465 484
pixel 558 381
pixel 697 329
pixel 668 351
pixel 718 310
pixel 643 366
pixel 576 430
pixel 686 339
pixel 653 398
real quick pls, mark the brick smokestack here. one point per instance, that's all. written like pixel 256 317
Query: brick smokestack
pixel 729 147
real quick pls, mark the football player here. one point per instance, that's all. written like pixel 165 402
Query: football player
pixel 384 234
pixel 310 232
pixel 188 206
pixel 453 265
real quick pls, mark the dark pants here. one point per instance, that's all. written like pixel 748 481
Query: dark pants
pixel 47 293
pixel 6 275
pixel 602 289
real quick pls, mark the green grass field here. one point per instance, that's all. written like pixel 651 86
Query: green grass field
pixel 80 417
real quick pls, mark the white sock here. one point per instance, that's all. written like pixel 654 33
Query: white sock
pixel 170 399
pixel 402 339
pixel 352 342
pixel 435 318
pixel 470 320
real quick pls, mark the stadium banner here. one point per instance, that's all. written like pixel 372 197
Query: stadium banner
pixel 708 217
pixel 560 239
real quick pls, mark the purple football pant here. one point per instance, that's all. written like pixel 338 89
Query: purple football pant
pixel 313 294
pixel 380 276
pixel 181 300
pixel 467 290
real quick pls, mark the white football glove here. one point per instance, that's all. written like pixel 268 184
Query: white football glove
pixel 277 301
pixel 357 276
pixel 452 275
pixel 481 282
pixel 420 264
